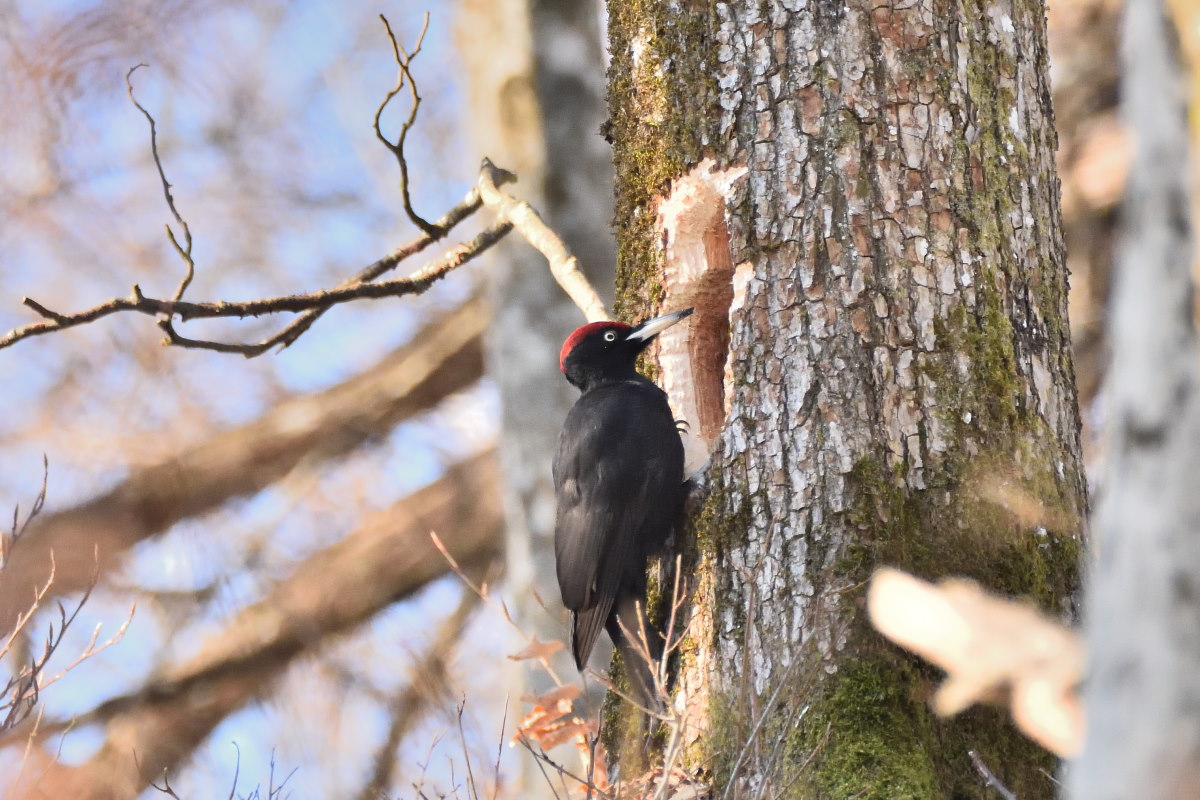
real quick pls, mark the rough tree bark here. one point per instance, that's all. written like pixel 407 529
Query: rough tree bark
pixel 1143 612
pixel 861 201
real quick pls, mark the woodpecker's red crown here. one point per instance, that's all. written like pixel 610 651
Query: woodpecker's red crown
pixel 603 352
pixel 583 332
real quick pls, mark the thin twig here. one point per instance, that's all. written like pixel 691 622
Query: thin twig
pixel 185 250
pixel 23 689
pixel 237 769
pixel 563 265
pixel 19 527
pixel 989 779
pixel 500 752
pixel 562 771
pixel 466 755
pixel 481 591
pixel 403 77
pixel 442 227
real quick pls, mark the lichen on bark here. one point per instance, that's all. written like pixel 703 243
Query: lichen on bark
pixel 900 386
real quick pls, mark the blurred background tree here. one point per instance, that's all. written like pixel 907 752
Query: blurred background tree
pixel 271 516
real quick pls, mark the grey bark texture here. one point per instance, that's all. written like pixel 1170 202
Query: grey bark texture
pixel 897 370
pixel 1143 598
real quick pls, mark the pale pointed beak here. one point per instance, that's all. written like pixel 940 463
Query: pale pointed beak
pixel 653 327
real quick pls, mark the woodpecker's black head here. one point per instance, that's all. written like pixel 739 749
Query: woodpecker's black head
pixel 602 352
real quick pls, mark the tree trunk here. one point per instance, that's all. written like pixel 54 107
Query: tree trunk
pixel 861 202
pixel 1143 612
pixel 537 105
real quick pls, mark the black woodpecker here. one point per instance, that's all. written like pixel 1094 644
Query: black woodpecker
pixel 618 478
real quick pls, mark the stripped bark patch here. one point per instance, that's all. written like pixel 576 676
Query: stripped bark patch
pixel 699 271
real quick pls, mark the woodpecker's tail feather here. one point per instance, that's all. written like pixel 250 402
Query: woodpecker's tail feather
pixel 586 625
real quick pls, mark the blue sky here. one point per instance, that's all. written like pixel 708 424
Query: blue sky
pixel 264 114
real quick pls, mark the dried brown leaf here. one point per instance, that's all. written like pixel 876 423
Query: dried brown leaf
pixel 536 649
pixel 990 648
pixel 555 696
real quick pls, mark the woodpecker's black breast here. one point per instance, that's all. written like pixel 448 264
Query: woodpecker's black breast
pixel 618 475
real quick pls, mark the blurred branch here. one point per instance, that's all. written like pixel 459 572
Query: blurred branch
pixel 992 649
pixel 427 682
pixel 444 357
pixel 387 559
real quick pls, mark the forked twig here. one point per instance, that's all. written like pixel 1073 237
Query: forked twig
pixel 404 77
pixel 185 250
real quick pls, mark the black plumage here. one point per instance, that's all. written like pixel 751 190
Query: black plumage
pixel 618 477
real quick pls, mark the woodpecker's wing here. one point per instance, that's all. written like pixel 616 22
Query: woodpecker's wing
pixel 618 466
pixel 608 572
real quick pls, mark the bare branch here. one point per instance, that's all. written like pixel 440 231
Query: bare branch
pixel 289 334
pixel 989 778
pixel 310 305
pixel 444 357
pixel 404 76
pixel 416 283
pixel 563 265
pixel 510 212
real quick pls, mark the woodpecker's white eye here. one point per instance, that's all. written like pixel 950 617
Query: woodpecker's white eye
pixel 610 336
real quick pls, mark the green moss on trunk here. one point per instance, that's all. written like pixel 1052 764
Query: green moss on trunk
pixel 655 135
